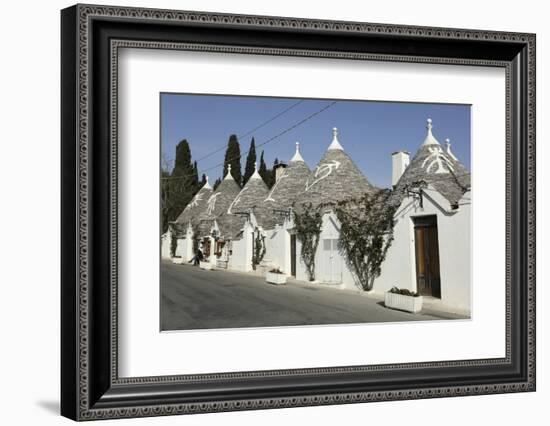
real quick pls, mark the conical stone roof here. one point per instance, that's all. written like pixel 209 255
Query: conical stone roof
pixel 196 206
pixel 289 187
pixel 218 203
pixel 335 179
pixel 437 167
pixel 251 198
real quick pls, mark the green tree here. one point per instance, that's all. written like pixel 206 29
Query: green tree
pixel 233 157
pixel 217 183
pixel 262 170
pixel 366 234
pixel 250 162
pixel 273 173
pixel 180 186
pixel 164 199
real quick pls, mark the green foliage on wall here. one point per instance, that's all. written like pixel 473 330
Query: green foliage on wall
pixel 308 222
pixel 366 233
pixel 259 248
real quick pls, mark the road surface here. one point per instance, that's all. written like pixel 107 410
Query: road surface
pixel 192 298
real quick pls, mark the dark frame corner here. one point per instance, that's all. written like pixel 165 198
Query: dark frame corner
pixel 90 387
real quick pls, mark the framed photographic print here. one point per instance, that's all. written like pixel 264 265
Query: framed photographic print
pixel 263 212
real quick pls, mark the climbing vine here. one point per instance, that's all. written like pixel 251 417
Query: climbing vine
pixel 259 248
pixel 307 222
pixel 173 240
pixel 366 234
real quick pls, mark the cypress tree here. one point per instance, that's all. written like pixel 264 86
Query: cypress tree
pixel 181 189
pixel 217 183
pixel 233 157
pixel 262 170
pixel 273 173
pixel 164 199
pixel 182 163
pixel 203 180
pixel 250 161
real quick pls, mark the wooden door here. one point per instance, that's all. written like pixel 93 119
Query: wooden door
pixel 293 255
pixel 426 243
pixel 206 247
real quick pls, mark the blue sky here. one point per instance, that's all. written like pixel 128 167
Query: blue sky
pixel 369 131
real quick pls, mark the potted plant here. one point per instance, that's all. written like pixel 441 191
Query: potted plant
pixel 275 276
pixel 403 299
pixel 205 264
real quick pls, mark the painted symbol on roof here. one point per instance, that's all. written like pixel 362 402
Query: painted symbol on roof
pixel 237 199
pixel 269 196
pixel 437 159
pixel 323 171
pixel 196 199
pixel 211 203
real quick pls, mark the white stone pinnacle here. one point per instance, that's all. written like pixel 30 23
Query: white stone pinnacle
pixel 228 175
pixel 207 184
pixel 297 156
pixel 448 149
pixel 430 139
pixel 335 144
pixel 255 175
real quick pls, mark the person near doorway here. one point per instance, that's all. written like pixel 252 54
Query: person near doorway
pixel 199 257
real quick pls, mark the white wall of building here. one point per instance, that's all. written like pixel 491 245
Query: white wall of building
pixel 165 241
pixel 330 271
pixel 277 254
pixel 241 257
pixel 454 228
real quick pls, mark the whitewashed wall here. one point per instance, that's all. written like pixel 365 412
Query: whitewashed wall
pixel 399 268
pixel 456 257
pixel 241 257
pixel 165 245
pixel 184 249
pixel 277 255
pixel 329 230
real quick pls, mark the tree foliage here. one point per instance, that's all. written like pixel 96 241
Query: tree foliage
pixel 173 242
pixel 262 169
pixel 308 222
pixel 366 233
pixel 259 248
pixel 179 186
pixel 250 162
pixel 233 157
pixel 268 175
pixel 217 183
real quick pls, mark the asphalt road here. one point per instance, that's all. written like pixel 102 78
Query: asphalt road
pixel 192 298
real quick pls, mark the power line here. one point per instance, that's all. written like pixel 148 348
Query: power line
pixel 272 119
pixel 288 129
pixel 265 123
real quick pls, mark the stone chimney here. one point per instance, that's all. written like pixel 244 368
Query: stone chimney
pixel 400 160
pixel 279 170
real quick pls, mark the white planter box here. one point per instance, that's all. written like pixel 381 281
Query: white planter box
pixel 177 260
pixel 274 278
pixel 205 265
pixel 403 303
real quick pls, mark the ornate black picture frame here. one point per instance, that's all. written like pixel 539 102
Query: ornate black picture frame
pixel 91 37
